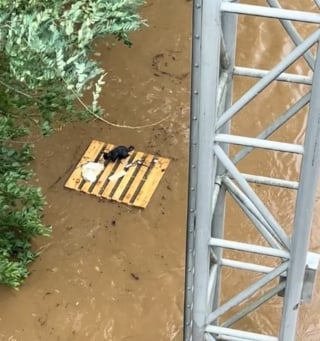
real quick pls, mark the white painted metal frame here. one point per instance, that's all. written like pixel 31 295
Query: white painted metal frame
pixel 212 173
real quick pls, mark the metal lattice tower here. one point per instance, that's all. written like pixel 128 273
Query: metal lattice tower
pixel 213 173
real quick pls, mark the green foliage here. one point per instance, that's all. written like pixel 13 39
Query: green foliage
pixel 46 45
pixel 45 65
pixel 21 207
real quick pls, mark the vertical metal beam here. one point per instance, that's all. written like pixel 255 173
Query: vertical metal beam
pixel 208 86
pixel 303 215
pixel 193 163
pixel 214 41
pixel 229 27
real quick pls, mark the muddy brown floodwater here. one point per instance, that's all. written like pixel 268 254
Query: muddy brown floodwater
pixel 116 273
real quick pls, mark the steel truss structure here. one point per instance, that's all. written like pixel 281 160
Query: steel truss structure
pixel 213 173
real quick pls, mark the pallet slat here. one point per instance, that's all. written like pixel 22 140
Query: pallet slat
pixel 125 180
pixel 110 184
pixel 152 182
pixel 136 181
pixel 104 175
pixel 134 188
pixel 74 181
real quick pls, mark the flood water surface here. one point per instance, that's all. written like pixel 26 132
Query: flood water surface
pixel 113 272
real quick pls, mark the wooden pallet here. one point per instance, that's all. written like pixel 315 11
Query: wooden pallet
pixel 134 188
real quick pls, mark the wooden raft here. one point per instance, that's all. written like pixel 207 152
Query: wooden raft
pixel 134 188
